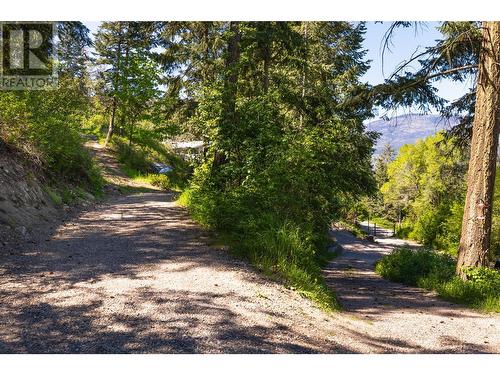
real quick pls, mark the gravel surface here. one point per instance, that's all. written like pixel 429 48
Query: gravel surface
pixel 412 317
pixel 136 275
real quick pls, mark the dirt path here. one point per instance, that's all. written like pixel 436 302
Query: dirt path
pixel 135 274
pixel 404 314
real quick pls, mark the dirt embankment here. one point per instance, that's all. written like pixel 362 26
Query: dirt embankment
pixel 24 204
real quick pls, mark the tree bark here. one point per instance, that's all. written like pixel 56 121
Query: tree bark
pixel 111 127
pixel 264 31
pixel 230 90
pixel 476 224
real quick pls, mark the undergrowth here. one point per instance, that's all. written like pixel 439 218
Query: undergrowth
pixel 353 228
pixel 277 247
pixel 136 161
pixel 435 271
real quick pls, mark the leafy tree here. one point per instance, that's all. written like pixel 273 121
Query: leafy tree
pixel 287 150
pixel 381 163
pixel 425 181
pixel 74 41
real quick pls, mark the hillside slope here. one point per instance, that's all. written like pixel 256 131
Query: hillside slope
pixel 407 129
pixel 23 201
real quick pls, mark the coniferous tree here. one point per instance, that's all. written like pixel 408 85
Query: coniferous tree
pixel 468 48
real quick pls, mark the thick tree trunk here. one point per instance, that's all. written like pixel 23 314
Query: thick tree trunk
pixel 476 224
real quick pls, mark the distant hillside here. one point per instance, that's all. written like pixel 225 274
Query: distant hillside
pixel 406 129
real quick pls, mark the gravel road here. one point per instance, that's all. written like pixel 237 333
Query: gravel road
pixel 414 317
pixel 136 275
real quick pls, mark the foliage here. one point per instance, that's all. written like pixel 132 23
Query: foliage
pixel 430 270
pixel 279 248
pixel 137 160
pixel 287 152
pixel 46 125
pixel 425 183
pixel 454 57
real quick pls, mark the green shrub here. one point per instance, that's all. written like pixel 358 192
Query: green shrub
pixel 46 126
pixel 430 270
pixel 272 189
pixel 403 231
pixel 137 159
pixel 408 266
pixel 54 196
pixel 276 246
pixel 160 180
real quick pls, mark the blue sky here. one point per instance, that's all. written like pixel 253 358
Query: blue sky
pixel 404 43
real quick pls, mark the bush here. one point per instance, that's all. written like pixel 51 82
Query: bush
pixel 54 196
pixel 46 126
pixel 160 180
pixel 430 270
pixel 137 159
pixel 408 266
pixel 274 245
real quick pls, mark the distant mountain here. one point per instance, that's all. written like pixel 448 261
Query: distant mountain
pixel 405 129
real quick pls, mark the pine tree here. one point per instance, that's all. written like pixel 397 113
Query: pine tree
pixel 130 78
pixel 469 48
pixel 476 225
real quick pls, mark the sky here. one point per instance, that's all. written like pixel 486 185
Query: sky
pixel 405 42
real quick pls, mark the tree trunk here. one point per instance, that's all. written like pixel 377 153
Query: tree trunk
pixel 304 72
pixel 267 63
pixel 230 90
pixel 264 31
pixel 111 127
pixel 115 91
pixel 476 224
pixel 206 41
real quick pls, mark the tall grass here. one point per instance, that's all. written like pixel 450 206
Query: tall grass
pixel 278 247
pixel 137 159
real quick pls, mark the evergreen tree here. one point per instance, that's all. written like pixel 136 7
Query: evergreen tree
pixel 469 48
pixel 130 78
pixel 74 42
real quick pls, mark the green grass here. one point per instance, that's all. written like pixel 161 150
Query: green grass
pixel 280 249
pixel 382 222
pixel 159 180
pixel 135 162
pixel 54 196
pixel 354 229
pixel 435 271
